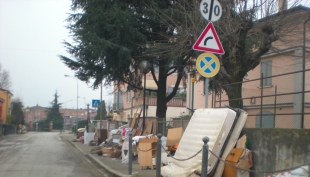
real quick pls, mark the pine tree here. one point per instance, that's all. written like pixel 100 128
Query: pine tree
pixel 53 113
pixel 104 110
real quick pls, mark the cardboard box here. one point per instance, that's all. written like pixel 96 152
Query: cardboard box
pixel 174 136
pixel 107 152
pixel 116 153
pixel 246 161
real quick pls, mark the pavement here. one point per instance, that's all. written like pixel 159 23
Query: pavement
pixel 112 167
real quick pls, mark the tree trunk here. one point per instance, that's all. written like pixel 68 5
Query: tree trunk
pixel 161 98
pixel 234 93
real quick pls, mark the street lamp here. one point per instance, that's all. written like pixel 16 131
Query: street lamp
pixel 87 128
pixel 145 67
pixel 66 102
pixel 77 95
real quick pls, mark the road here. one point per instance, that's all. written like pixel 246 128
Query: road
pixel 42 155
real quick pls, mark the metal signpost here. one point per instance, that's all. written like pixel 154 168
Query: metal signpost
pixel 207 64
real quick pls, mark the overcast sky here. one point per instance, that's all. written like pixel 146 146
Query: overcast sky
pixel 31 36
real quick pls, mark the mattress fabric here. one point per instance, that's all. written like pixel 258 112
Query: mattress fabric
pixel 210 122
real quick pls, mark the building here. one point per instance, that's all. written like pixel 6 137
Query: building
pixel 5 104
pixel 127 103
pixel 37 113
pixel 281 105
pixel 69 115
pixel 273 111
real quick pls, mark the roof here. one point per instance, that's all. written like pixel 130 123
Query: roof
pixel 35 107
pixel 294 9
pixel 1 89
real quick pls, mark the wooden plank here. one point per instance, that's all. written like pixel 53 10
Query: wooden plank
pixel 149 127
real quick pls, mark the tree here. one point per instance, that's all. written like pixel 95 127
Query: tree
pixel 5 80
pixel 104 110
pixel 112 37
pixel 247 32
pixel 17 111
pixel 10 119
pixel 53 113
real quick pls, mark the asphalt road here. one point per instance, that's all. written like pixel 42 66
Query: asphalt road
pixel 42 155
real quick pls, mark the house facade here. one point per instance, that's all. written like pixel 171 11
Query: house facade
pixel 35 114
pixel 276 101
pixel 127 103
pixel 5 104
pixel 71 116
pixel 272 102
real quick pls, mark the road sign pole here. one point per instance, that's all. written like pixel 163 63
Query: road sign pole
pixel 206 91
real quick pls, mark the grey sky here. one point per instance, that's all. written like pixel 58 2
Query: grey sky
pixel 31 35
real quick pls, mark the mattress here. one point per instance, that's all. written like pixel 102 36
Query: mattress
pixel 232 141
pixel 210 122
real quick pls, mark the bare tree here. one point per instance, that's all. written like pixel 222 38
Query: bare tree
pixel 5 79
pixel 247 30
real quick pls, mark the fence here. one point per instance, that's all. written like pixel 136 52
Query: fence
pixel 205 153
pixel 7 129
pixel 282 105
pixel 181 121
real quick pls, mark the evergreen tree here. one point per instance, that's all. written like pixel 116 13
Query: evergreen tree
pixel 17 115
pixel 53 113
pixel 113 37
pixel 104 110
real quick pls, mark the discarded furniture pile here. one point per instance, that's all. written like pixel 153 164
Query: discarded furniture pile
pixel 223 127
pixel 181 151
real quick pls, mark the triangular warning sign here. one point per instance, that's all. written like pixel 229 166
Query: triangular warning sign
pixel 209 41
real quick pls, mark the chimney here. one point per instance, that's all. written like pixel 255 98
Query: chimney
pixel 282 5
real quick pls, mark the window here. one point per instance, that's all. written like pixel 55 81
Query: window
pixel 128 95
pixel 170 88
pixel 266 70
pixel 267 120
pixel 118 102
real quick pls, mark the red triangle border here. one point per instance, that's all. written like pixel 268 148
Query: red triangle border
pixel 206 49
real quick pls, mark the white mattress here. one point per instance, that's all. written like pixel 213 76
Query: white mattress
pixel 214 123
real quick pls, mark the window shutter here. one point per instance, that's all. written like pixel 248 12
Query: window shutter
pixel 269 72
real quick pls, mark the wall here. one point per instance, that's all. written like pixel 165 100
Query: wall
pixel 6 96
pixel 277 149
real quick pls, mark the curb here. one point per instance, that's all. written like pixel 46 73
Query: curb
pixel 111 172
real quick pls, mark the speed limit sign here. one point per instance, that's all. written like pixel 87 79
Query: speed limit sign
pixel 211 10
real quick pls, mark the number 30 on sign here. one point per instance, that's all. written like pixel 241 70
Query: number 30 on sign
pixel 211 10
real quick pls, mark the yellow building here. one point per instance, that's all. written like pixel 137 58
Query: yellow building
pixel 5 104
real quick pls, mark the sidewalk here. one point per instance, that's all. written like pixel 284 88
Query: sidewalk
pixel 113 167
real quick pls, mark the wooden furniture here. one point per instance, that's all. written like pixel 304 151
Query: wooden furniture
pixel 232 158
pixel 102 135
pixel 147 151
